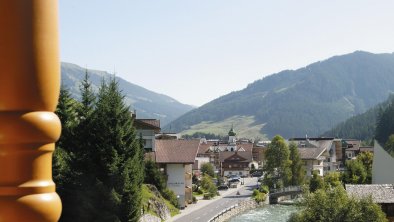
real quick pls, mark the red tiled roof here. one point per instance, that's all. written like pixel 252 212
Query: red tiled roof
pixel 176 151
pixel 246 146
pixel 204 147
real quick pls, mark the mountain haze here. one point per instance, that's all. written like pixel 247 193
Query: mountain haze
pixel 148 104
pixel 361 126
pixel 309 100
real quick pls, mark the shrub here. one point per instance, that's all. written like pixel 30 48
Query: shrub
pixel 264 189
pixel 335 205
pixel 170 196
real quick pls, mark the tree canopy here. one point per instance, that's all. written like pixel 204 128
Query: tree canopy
pixel 207 168
pixel 296 166
pixel 277 167
pixel 331 205
pixel 99 160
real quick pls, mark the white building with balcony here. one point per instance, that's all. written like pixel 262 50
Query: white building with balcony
pixel 318 154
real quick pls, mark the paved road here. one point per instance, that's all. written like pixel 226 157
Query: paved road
pixel 216 206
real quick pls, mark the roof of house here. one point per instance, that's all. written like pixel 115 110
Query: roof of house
pixel 315 148
pixel 227 154
pixel 204 147
pixel 311 153
pixel 381 193
pixel 353 143
pixel 366 148
pixel 176 151
pixel 147 124
pixel 214 147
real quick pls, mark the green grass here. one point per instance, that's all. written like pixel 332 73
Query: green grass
pixel 147 194
pixel 244 127
pixel 196 194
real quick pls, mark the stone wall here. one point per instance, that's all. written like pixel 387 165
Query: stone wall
pixel 235 210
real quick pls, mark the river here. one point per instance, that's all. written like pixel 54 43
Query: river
pixel 269 213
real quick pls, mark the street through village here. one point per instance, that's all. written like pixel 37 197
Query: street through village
pixel 204 210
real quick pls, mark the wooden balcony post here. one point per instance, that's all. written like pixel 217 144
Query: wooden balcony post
pixel 29 90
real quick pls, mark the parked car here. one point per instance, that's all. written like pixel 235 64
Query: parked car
pixel 234 180
pixel 257 174
pixel 234 177
pixel 223 187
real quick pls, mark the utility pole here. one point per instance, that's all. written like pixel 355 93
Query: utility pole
pixel 29 90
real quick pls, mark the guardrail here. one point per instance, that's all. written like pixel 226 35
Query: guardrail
pixel 236 209
pixel 286 189
pixel 222 213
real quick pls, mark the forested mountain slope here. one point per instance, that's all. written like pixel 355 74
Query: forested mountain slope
pixel 361 126
pixel 309 100
pixel 148 104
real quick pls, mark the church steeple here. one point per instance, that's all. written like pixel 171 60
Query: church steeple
pixel 231 132
pixel 231 137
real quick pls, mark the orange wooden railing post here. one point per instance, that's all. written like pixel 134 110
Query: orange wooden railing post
pixel 29 90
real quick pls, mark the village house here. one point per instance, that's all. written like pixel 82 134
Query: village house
pixel 258 156
pixel 175 159
pixel 147 129
pixel 351 148
pixel 235 163
pixel 318 154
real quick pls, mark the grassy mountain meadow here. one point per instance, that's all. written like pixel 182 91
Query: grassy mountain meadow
pixel 148 104
pixel 309 100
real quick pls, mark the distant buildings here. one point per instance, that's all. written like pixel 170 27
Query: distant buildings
pixel 230 157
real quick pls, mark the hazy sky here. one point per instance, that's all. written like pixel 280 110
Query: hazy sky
pixel 196 51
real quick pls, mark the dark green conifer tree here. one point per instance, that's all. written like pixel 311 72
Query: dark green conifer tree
pixel 66 111
pixel 105 159
pixel 118 156
pixel 296 166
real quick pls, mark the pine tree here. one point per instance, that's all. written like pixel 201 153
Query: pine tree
pixel 153 175
pixel 105 159
pixel 118 155
pixel 296 166
pixel 64 174
pixel 385 124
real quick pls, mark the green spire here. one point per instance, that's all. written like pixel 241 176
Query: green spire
pixel 231 132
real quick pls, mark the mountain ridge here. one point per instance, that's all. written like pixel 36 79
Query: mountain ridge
pixel 309 100
pixel 147 103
